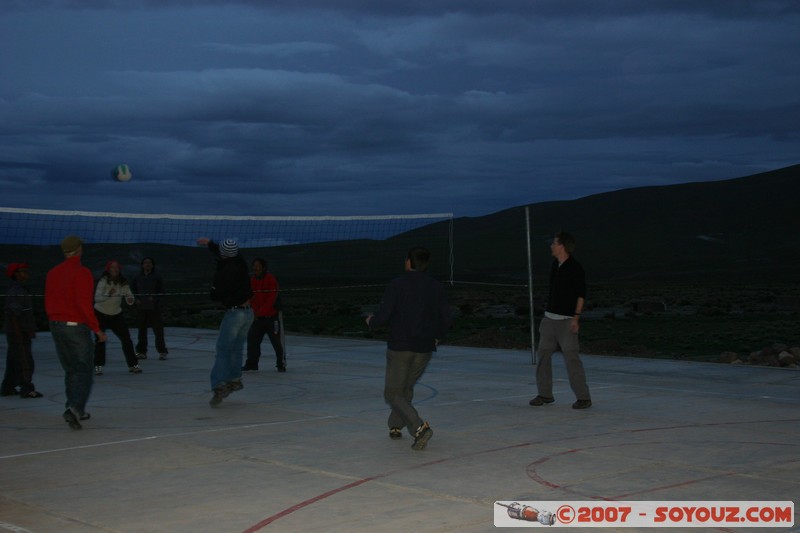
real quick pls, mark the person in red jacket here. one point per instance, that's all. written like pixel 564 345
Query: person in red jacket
pixel 68 300
pixel 267 317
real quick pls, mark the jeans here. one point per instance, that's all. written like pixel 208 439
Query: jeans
pixel 403 370
pixel 269 325
pixel 230 346
pixel 75 350
pixel 554 334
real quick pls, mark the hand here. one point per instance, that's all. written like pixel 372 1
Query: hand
pixel 130 299
pixel 369 317
pixel 101 336
pixel 203 241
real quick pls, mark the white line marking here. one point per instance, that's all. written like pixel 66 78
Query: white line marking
pixel 169 435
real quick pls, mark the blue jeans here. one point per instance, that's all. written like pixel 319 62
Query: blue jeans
pixel 230 346
pixel 75 349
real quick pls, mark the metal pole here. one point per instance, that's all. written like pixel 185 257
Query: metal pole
pixel 530 283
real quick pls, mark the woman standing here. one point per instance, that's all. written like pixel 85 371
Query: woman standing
pixel 111 289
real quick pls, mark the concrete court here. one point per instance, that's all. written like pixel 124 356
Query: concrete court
pixel 308 450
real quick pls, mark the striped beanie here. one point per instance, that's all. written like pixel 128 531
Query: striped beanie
pixel 229 248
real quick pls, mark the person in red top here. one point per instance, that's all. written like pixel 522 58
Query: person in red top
pixel 267 317
pixel 68 300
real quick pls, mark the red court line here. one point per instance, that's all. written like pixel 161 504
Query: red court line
pixel 534 475
pixel 289 510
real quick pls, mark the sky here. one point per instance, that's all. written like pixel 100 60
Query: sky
pixel 348 107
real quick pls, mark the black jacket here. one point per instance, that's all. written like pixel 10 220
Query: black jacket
pixel 232 279
pixel 415 308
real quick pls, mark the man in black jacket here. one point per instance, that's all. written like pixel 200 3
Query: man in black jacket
pixel 232 289
pixel 415 308
pixel 561 323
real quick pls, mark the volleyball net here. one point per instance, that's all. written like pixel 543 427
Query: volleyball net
pixel 332 270
pixel 303 250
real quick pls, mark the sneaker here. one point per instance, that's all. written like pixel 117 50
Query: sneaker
pixel 395 433
pixel 85 416
pixel 422 436
pixel 541 400
pixel 9 392
pixel 233 386
pixel 31 394
pixel 281 369
pixel 134 369
pixel 582 404
pixel 250 368
pixel 98 371
pixel 141 356
pixel 217 398
pixel 72 420
pixel 162 357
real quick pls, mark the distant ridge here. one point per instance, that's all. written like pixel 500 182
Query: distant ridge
pixel 743 230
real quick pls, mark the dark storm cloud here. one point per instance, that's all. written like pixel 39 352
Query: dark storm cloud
pixel 326 107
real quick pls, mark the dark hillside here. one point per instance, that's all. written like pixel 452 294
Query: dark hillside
pixel 738 230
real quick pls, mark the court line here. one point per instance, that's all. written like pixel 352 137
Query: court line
pixel 12 527
pixel 165 436
pixel 298 506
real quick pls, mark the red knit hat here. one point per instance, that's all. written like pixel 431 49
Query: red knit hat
pixel 13 267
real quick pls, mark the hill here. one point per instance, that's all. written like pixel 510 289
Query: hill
pixel 740 230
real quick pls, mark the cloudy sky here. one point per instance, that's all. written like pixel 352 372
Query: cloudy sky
pixel 337 107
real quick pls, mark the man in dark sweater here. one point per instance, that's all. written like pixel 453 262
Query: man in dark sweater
pixel 232 289
pixel 416 310
pixel 560 325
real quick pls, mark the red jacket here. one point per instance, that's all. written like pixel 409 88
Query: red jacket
pixel 265 291
pixel 69 294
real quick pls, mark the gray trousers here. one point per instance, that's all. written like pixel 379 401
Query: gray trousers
pixel 403 370
pixel 555 334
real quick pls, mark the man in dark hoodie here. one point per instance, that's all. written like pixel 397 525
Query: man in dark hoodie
pixel 416 310
pixel 20 329
pixel 232 289
pixel 148 286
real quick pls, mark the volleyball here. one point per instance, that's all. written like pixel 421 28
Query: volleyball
pixel 122 173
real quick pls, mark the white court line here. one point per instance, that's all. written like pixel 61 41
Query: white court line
pixel 611 386
pixel 698 392
pixel 12 527
pixel 168 435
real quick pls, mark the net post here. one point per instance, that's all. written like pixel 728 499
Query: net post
pixel 530 283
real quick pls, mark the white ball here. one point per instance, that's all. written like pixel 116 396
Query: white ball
pixel 122 173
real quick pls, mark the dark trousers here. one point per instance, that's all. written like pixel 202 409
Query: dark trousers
pixel 150 318
pixel 19 363
pixel 74 349
pixel 115 323
pixel 555 334
pixel 270 326
pixel 403 370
